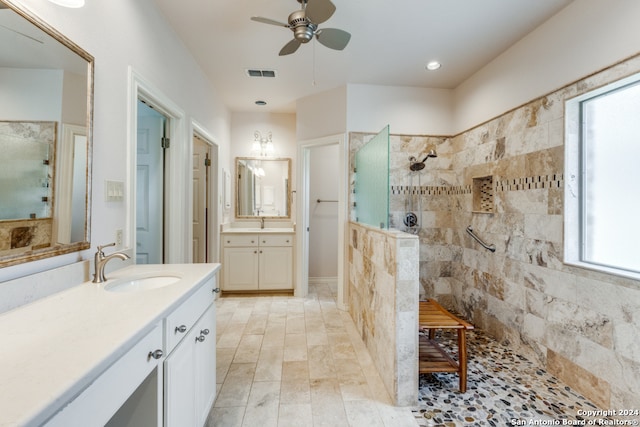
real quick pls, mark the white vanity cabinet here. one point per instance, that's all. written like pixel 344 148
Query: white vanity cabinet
pixel 190 368
pixel 133 357
pixel 110 391
pixel 257 261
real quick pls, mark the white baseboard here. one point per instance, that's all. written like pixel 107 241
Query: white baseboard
pixel 314 280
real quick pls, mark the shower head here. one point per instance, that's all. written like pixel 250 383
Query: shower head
pixel 418 166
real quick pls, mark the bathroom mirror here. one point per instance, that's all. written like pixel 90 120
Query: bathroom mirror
pixel 46 102
pixel 263 187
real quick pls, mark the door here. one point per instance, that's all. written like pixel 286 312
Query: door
pixel 150 185
pixel 201 200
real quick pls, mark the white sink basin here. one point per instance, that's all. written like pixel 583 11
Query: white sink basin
pixel 141 283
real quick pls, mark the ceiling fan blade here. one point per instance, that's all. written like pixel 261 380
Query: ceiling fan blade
pixel 319 11
pixel 333 38
pixel 269 21
pixel 290 47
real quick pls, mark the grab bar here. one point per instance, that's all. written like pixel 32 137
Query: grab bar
pixel 327 201
pixel 492 248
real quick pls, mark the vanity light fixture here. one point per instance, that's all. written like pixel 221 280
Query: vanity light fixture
pixel 433 65
pixel 262 145
pixel 69 3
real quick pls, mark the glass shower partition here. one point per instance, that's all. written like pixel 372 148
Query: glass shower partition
pixel 372 181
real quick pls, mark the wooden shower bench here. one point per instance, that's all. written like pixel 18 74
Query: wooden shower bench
pixel 432 357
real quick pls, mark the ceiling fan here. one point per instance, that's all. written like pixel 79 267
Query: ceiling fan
pixel 304 24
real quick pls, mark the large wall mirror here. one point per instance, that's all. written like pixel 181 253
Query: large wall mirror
pixel 46 101
pixel 263 187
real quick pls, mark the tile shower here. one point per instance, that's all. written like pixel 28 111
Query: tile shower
pixel 505 179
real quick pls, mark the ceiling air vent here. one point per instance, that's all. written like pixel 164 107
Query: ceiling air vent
pixel 261 73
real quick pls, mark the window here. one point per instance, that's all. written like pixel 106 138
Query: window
pixel 602 179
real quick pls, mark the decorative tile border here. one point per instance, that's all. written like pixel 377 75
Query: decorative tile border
pixel 509 184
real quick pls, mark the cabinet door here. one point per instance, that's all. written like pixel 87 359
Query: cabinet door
pixel 179 386
pixel 276 270
pixel 240 269
pixel 205 365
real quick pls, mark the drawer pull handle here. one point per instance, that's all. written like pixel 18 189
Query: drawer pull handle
pixel 264 241
pixel 204 332
pixel 287 241
pixel 216 291
pixel 200 338
pixel 255 252
pixel 253 241
pixel 181 328
pixel 155 354
pixel 228 241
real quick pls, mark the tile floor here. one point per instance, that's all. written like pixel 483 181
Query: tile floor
pixel 285 361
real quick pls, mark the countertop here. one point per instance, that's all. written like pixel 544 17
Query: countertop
pixel 238 230
pixel 54 347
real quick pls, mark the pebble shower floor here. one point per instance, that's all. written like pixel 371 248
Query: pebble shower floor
pixel 503 389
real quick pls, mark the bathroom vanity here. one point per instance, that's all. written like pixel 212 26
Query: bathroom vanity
pixel 257 259
pixel 138 350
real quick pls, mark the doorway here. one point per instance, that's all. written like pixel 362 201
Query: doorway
pixel 151 143
pixel 306 202
pixel 205 195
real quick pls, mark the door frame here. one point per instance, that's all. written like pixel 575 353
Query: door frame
pixel 215 213
pixel 176 242
pixel 302 253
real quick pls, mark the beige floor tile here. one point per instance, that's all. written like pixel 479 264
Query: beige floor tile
pixel 237 385
pixel 248 349
pixel 269 367
pixel 304 364
pixel 295 415
pixel 362 413
pixel 263 405
pixel 355 390
pixel 295 392
pixel 224 356
pixel 274 335
pixel 295 324
pixel 295 347
pixel 257 323
pixel 294 371
pixel 226 417
pixel 320 362
pixel 231 336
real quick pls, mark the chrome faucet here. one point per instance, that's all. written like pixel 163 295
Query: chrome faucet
pixel 261 222
pixel 100 261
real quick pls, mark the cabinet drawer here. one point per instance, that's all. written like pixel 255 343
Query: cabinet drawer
pixel 178 323
pixel 276 240
pixel 102 398
pixel 231 240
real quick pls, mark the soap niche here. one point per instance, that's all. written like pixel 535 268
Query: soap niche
pixel 483 194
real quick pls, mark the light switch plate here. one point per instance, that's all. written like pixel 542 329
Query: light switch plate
pixel 114 191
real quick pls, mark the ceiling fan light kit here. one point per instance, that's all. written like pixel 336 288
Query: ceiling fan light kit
pixel 304 24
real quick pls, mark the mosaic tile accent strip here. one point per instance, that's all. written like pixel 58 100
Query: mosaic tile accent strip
pixel 503 389
pixel 508 184
pixel 431 190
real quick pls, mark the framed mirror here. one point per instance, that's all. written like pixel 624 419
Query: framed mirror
pixel 46 106
pixel 263 187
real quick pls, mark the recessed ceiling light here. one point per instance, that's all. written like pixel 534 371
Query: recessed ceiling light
pixel 68 3
pixel 433 65
pixel 260 102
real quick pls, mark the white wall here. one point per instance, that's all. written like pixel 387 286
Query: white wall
pixel 407 110
pixel 322 115
pixel 323 217
pixel 119 34
pixel 581 39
